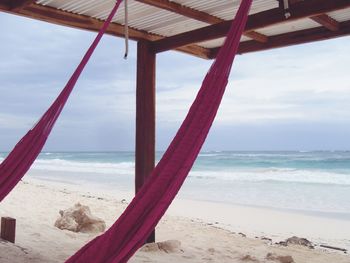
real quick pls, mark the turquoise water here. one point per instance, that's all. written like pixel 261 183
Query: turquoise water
pixel 307 182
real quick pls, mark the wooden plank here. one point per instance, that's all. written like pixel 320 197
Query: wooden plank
pixel 326 21
pixel 195 50
pixel 8 229
pixel 293 38
pixel 270 17
pixel 60 17
pixel 145 116
pixel 334 248
pixel 256 36
pixel 17 5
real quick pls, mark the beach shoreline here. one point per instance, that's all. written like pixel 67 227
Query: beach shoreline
pixel 201 227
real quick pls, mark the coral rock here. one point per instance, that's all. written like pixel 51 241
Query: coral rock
pixel 170 246
pixel 80 219
pixel 297 241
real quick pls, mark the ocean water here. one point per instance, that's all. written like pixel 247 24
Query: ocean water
pixel 305 182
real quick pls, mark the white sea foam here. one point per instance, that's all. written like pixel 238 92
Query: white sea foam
pixel 124 168
pixel 209 154
pixel 276 175
pixel 286 175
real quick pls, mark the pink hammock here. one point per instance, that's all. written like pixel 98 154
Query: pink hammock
pixel 130 231
pixel 18 162
pixel 132 228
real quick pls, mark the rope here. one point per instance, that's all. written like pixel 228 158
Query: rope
pixel 126 29
pixel 286 9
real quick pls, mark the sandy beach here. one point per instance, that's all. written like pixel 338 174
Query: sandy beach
pixel 201 231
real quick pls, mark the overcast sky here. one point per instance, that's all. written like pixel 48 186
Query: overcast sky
pixel 295 98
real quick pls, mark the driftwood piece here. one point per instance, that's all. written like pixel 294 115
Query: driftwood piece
pixel 335 248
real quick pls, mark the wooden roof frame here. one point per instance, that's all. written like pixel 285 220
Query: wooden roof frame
pixel 299 10
pixel 187 42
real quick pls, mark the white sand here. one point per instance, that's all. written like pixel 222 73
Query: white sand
pixel 207 231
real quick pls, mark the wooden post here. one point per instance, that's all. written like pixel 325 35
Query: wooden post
pixel 8 229
pixel 145 116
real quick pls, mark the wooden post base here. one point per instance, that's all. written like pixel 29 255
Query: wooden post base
pixel 151 238
pixel 8 229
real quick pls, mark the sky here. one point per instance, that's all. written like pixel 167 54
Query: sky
pixel 294 98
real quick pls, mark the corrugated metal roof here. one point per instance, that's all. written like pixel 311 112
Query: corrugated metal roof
pixel 218 42
pixel 226 9
pixel 212 43
pixel 165 23
pixel 155 20
pixel 141 16
pixel 341 15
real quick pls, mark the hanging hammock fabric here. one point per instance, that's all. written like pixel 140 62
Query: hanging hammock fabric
pixel 18 162
pixel 133 227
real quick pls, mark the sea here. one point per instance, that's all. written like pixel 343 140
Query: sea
pixel 315 182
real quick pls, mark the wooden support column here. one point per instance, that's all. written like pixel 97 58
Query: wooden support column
pixel 145 116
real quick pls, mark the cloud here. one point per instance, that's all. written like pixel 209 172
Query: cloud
pixel 302 83
pixel 283 89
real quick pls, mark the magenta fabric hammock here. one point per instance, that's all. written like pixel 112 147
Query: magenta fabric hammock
pixel 133 227
pixel 18 162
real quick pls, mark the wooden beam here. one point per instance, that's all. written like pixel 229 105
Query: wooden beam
pixel 182 10
pixel 4 6
pixel 145 115
pixel 270 17
pixel 17 5
pixel 196 15
pixel 60 17
pixel 326 21
pixel 293 38
pixel 292 2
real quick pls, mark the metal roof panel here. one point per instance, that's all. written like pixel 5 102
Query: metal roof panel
pixel 287 27
pixel 341 15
